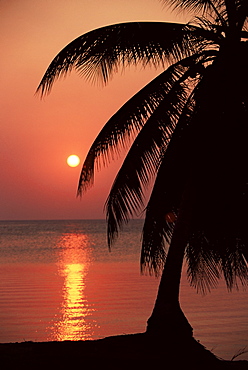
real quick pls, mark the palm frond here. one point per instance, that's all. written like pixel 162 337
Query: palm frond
pixel 234 266
pixel 125 123
pixel 203 267
pixel 144 157
pixel 100 53
pixel 208 260
pixel 212 13
pixel 195 5
pixel 216 25
pixel 163 205
pixel 142 161
pixel 131 117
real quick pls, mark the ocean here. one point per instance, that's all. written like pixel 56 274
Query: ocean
pixel 59 281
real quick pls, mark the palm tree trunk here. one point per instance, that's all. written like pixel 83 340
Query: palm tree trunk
pixel 167 316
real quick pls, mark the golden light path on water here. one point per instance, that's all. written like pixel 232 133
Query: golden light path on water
pixel 74 313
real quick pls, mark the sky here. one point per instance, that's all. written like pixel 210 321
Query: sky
pixel 37 135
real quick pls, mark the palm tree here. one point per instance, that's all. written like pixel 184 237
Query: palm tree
pixel 188 129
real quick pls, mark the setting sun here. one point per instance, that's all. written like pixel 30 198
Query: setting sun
pixel 73 160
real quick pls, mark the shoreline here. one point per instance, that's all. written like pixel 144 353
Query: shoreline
pixel 131 351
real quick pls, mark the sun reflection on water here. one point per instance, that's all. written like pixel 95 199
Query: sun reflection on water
pixel 74 320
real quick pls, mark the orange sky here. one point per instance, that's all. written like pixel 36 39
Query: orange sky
pixel 38 135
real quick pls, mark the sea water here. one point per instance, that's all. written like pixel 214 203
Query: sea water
pixel 59 281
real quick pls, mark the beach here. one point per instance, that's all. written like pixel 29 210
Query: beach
pixel 118 352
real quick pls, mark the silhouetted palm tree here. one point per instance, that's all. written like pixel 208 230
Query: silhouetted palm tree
pixel 188 129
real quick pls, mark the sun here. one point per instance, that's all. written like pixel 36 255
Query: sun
pixel 73 160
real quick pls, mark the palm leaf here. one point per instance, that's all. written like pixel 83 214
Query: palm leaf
pixel 203 266
pixel 215 10
pixel 208 260
pixel 100 53
pixel 131 117
pixel 127 121
pixel 166 196
pixel 142 161
pixel 234 265
pixel 196 5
